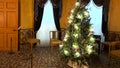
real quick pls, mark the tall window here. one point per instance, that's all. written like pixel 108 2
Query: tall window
pixel 96 17
pixel 46 25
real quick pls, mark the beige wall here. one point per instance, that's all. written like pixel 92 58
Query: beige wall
pixel 67 6
pixel 26 13
pixel 114 15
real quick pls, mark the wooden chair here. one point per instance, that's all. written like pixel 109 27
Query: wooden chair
pixel 27 37
pixel 112 40
pixel 113 50
pixel 54 38
pixel 98 41
pixel 114 53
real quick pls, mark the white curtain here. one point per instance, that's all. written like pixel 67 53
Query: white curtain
pixel 46 25
pixel 96 18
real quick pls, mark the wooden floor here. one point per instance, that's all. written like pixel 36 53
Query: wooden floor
pixel 45 57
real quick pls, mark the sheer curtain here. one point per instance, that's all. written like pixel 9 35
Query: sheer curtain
pixel 96 17
pixel 46 25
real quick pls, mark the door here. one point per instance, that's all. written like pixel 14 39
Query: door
pixel 8 25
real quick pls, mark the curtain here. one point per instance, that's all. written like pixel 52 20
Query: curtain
pixel 105 18
pixel 104 27
pixel 98 2
pixel 85 2
pixel 57 10
pixel 39 19
pixel 39 8
pixel 105 4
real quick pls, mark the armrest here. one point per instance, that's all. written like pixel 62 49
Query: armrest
pixel 111 45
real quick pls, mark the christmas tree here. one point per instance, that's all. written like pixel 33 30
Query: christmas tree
pixel 78 42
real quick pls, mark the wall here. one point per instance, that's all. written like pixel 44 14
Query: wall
pixel 26 13
pixel 67 6
pixel 114 15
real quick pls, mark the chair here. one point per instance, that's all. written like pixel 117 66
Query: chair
pixel 27 37
pixel 54 38
pixel 98 41
pixel 112 40
pixel 114 52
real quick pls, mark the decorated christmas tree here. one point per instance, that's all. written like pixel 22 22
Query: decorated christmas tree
pixel 78 42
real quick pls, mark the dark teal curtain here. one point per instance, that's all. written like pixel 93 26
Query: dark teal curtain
pixel 85 2
pixel 98 2
pixel 39 8
pixel 105 18
pixel 57 11
pixel 39 18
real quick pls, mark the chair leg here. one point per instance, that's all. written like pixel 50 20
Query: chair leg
pixel 109 59
pixel 50 45
pixel 31 55
pixel 39 42
pixel 31 47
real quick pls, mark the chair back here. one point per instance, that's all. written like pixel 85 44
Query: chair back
pixel 54 35
pixel 25 34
